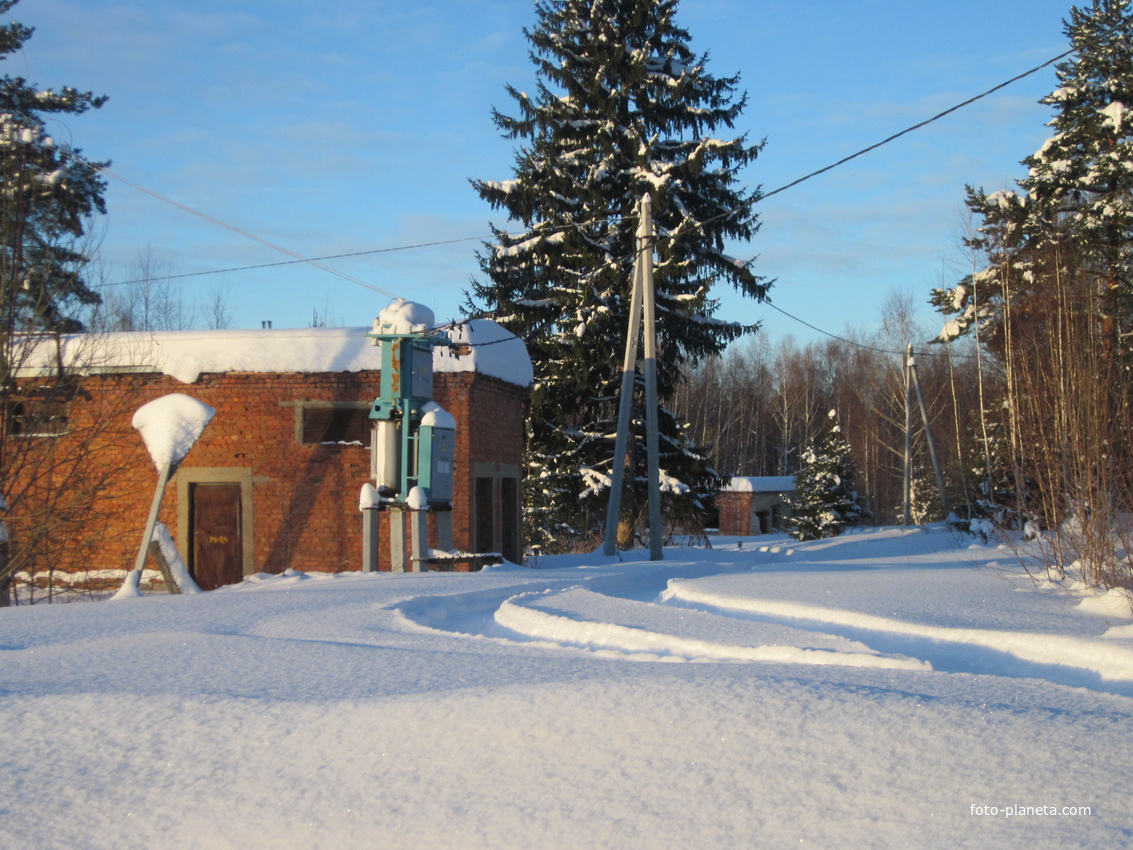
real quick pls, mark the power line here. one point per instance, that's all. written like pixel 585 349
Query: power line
pixel 862 152
pixel 246 234
pixel 906 131
pixel 296 262
pixel 748 204
pixel 860 344
pixel 866 150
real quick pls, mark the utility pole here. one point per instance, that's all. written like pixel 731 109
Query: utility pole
pixel 641 301
pixel 907 512
pixel 645 257
pixel 916 382
pixel 913 385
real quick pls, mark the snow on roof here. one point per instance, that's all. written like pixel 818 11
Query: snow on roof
pixel 186 355
pixel 492 350
pixel 761 484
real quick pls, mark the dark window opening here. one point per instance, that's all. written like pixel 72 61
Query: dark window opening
pixel 38 418
pixel 336 425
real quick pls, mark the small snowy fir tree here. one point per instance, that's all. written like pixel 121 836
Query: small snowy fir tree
pixel 825 502
pixel 622 106
pixel 924 497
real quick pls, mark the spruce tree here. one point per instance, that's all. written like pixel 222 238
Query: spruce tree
pixel 825 502
pixel 622 107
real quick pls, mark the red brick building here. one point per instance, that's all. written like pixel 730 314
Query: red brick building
pixel 275 478
pixel 751 506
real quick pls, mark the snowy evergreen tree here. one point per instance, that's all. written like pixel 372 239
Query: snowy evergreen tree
pixel 50 191
pixel 1073 214
pixel 1055 305
pixel 825 502
pixel 622 107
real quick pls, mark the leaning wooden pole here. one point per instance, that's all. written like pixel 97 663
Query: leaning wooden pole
pixel 625 405
pixel 134 577
pixel 645 258
pixel 928 435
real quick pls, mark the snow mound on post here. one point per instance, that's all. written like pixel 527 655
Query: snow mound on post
pixel 436 416
pixel 369 498
pixel 404 317
pixel 417 500
pixel 173 559
pixel 170 425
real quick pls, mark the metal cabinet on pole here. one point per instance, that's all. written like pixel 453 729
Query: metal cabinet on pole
pixel 414 439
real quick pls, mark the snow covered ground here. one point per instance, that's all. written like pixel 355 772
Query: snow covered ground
pixel 889 688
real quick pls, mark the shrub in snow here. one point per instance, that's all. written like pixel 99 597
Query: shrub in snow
pixel 924 497
pixel 825 503
pixel 981 528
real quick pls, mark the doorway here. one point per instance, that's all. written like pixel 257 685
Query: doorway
pixel 214 524
pixel 216 555
pixel 496 510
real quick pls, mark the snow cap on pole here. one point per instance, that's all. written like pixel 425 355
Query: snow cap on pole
pixel 170 425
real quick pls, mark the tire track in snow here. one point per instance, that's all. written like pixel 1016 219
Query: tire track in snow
pixel 1100 664
pixel 524 615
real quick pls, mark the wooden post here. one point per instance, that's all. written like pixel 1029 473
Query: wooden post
pixel 928 435
pixel 163 567
pixel 625 404
pixel 907 513
pixel 645 257
pixel 155 507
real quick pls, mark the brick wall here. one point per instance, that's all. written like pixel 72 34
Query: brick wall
pixel 739 511
pixel 735 513
pixel 304 496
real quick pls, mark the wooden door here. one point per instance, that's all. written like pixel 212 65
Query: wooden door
pixel 217 553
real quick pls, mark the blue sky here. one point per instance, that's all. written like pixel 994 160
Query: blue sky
pixel 356 125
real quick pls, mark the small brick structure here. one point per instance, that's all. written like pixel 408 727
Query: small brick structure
pixel 288 450
pixel 754 505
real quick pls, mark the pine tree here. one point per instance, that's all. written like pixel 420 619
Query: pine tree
pixel 622 107
pixel 825 503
